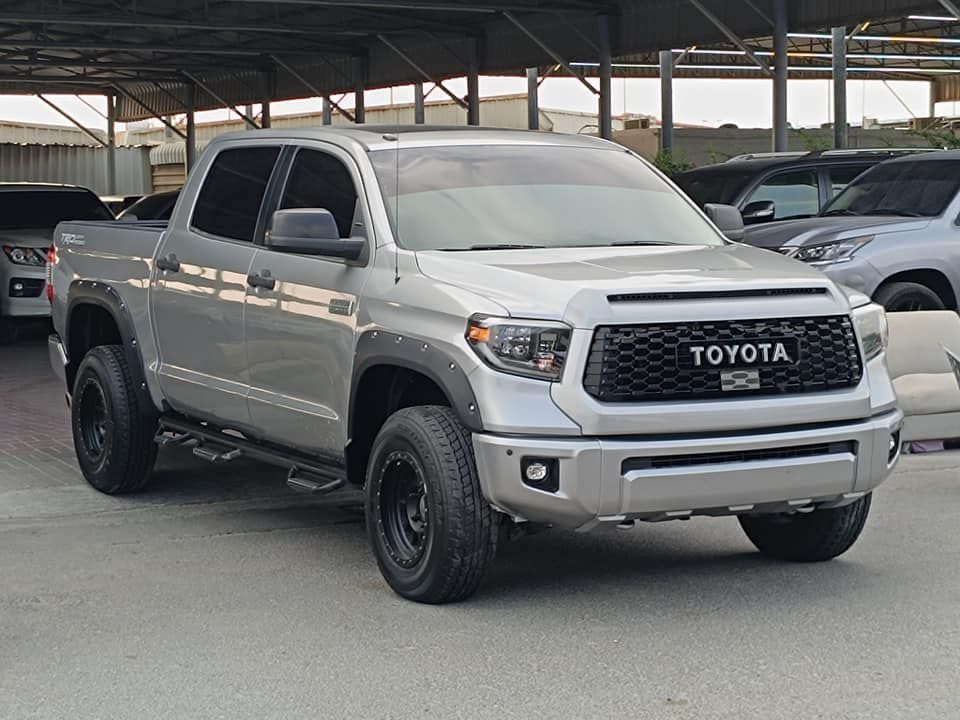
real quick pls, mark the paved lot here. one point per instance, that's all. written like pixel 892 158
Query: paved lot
pixel 219 594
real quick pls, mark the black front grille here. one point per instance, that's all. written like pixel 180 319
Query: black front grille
pixel 738 456
pixel 638 363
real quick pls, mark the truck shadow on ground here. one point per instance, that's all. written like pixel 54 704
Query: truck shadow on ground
pixel 693 565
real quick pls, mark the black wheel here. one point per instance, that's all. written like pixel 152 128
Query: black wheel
pixel 112 434
pixel 432 532
pixel 907 297
pixel 807 537
pixel 9 332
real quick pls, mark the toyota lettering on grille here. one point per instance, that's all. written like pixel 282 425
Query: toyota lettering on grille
pixel 764 352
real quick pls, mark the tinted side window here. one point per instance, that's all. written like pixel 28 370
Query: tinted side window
pixel 319 180
pixel 229 201
pixel 794 193
pixel 840 177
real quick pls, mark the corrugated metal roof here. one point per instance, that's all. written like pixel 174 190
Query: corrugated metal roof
pixel 152 48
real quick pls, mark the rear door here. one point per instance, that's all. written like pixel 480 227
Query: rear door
pixel 200 286
pixel 301 333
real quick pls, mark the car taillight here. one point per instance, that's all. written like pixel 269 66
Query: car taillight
pixel 51 261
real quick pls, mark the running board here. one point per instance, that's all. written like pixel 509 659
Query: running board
pixel 218 447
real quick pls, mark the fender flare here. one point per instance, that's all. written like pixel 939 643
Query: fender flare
pixel 376 348
pixel 104 296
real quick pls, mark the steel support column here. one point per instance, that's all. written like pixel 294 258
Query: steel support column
pixel 780 135
pixel 605 113
pixel 191 139
pixel 111 144
pixel 533 98
pixel 419 116
pixel 268 93
pixel 327 112
pixel 839 87
pixel 359 86
pixel 666 102
pixel 473 83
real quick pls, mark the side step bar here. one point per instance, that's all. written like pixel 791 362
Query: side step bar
pixel 218 447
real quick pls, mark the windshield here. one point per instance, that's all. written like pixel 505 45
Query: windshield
pixel 910 189
pixel 44 209
pixel 508 196
pixel 712 186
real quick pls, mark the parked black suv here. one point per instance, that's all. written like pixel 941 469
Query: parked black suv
pixel 781 186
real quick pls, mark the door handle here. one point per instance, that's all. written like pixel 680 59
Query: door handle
pixel 170 263
pixel 262 279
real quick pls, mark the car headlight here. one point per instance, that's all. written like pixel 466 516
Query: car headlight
pixel 827 253
pixel 25 256
pixel 871 324
pixel 531 348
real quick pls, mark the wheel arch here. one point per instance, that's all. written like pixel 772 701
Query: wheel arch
pixel 96 315
pixel 932 278
pixel 392 372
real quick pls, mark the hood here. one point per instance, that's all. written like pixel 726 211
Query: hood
pixel 540 283
pixel 817 230
pixel 27 237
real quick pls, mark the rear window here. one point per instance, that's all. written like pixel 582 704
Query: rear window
pixel 229 201
pixel 44 209
pixel 713 187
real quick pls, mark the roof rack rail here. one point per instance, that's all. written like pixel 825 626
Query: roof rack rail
pixel 761 155
pixel 870 151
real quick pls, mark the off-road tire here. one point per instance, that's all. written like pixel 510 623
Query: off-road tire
pixel 117 454
pixel 808 537
pixel 907 297
pixel 431 449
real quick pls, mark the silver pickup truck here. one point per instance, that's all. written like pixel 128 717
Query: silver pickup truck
pixel 486 330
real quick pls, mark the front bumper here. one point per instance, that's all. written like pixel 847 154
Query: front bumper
pixel 34 279
pixel 766 471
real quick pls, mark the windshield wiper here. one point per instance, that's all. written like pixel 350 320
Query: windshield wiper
pixel 899 213
pixel 495 246
pixel 828 213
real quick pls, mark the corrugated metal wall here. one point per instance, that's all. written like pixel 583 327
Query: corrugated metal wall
pixel 31 133
pixel 76 165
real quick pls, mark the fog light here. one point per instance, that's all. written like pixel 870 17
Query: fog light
pixel 893 447
pixel 540 473
pixel 18 287
pixel 536 472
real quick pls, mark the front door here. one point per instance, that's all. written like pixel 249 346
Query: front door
pixel 300 333
pixel 200 286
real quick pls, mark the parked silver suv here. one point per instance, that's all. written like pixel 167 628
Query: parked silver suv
pixel 486 330
pixel 893 234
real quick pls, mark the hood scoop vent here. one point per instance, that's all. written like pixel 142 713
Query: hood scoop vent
pixel 713 294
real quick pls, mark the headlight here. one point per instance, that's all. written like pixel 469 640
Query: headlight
pixel 871 323
pixel 531 348
pixel 828 252
pixel 25 256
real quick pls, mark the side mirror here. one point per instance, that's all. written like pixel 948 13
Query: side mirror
pixel 311 231
pixel 759 211
pixel 727 218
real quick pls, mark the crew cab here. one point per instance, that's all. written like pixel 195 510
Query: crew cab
pixel 487 331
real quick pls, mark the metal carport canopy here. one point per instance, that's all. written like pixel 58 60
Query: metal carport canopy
pixel 154 54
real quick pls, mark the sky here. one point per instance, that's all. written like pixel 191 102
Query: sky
pixel 747 103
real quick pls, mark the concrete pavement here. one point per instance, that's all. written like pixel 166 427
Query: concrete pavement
pixel 220 594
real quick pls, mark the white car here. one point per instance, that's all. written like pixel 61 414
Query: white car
pixel 28 214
